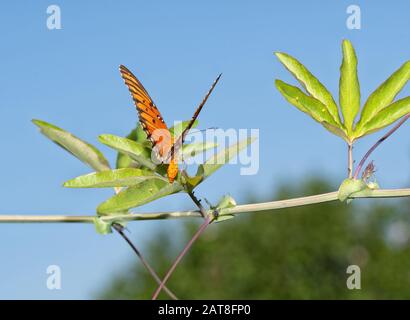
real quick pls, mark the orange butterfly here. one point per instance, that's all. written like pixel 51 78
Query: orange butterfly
pixel 154 125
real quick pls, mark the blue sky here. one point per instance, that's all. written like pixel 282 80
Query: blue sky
pixel 70 77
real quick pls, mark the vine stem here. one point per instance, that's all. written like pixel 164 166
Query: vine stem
pixel 350 159
pixel 368 153
pixel 201 229
pixel 120 230
pixel 254 207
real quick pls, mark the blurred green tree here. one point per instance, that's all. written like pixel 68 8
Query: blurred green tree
pixel 298 253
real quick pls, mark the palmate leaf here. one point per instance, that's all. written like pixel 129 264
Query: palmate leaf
pixel 82 150
pixel 386 116
pixel 349 89
pixel 337 130
pixel 384 95
pixel 313 107
pixel 310 106
pixel 125 177
pixel 312 85
pixel 136 150
pixel 142 193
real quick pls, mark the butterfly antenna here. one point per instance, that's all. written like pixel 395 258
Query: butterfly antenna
pixel 181 138
pixel 206 97
pixel 198 110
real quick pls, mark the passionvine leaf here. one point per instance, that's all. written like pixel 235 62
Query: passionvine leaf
pixel 385 117
pixel 124 160
pixel 312 85
pixel 125 177
pixel 136 150
pixel 349 89
pixel 190 182
pixel 384 94
pixel 336 130
pixel 311 106
pixel 82 150
pixel 142 193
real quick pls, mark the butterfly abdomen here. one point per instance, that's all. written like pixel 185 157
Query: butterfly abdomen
pixel 172 170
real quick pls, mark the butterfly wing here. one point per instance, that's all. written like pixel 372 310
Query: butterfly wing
pixel 149 115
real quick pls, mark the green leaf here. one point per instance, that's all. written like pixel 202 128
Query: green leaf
pixel 137 135
pixel 124 160
pixel 384 94
pixel 336 130
pixel 310 106
pixel 218 160
pixel 349 89
pixel 312 85
pixel 385 117
pixel 140 135
pixel 77 147
pixel 193 149
pixel 125 177
pixel 161 169
pixel 190 182
pixel 178 128
pixel 147 191
pixel 137 151
pixel 349 187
